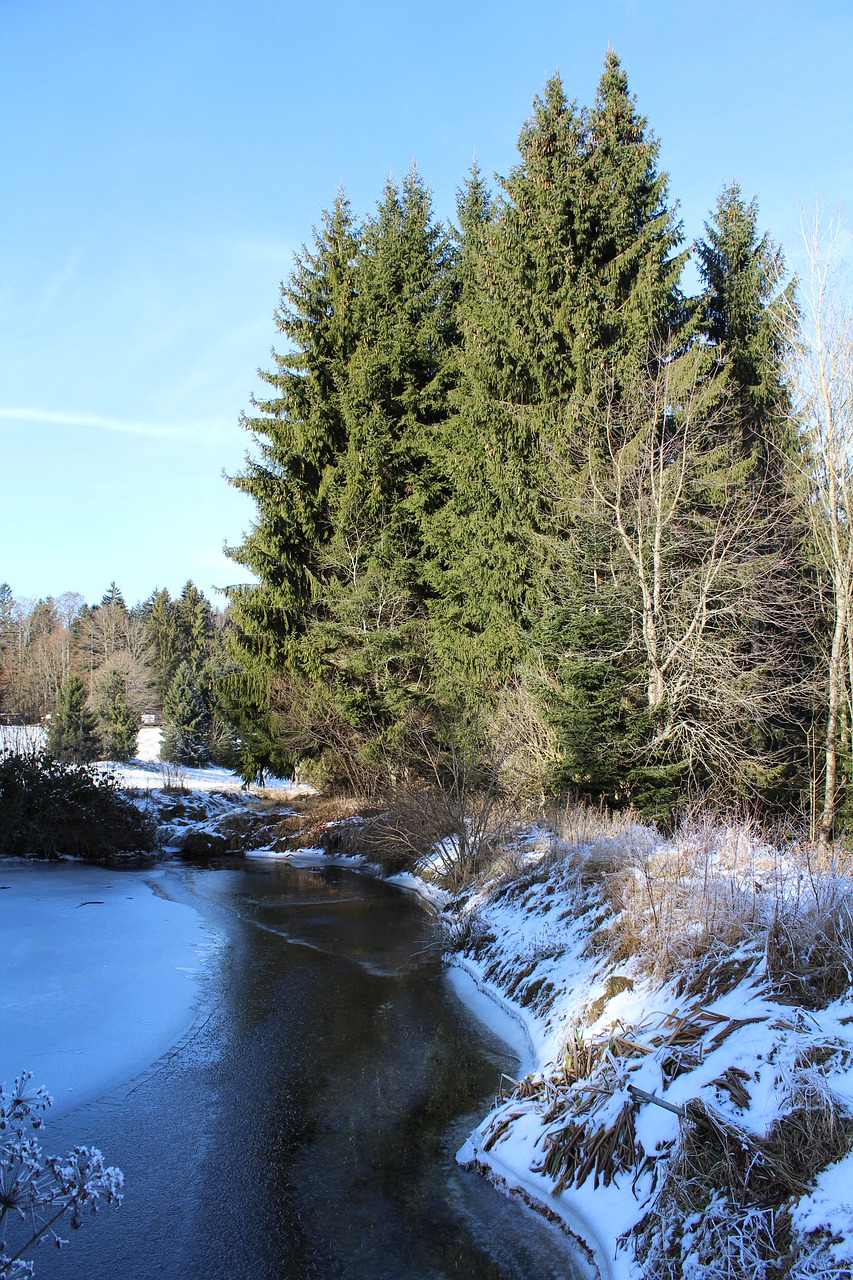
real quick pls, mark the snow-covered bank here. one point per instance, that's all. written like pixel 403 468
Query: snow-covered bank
pixel 98 975
pixel 707 1020
pixel 146 771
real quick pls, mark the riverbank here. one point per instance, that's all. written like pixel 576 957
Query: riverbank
pixel 688 1006
pixel 680 1007
pixel 681 1011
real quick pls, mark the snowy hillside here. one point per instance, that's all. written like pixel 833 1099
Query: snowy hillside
pixel 687 1003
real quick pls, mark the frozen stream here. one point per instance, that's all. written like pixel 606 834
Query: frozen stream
pixel 273 1056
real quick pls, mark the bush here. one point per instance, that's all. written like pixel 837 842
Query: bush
pixel 49 808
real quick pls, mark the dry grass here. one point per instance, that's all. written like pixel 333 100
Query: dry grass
pixel 809 946
pixel 734 1190
pixel 704 907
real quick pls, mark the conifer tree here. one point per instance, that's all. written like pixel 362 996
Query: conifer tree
pixel 744 298
pixel 629 266
pixel 73 732
pixel 299 432
pixel 741 313
pixel 186 720
pixel 162 625
pixel 516 375
pixel 119 720
pixel 368 630
pixel 627 311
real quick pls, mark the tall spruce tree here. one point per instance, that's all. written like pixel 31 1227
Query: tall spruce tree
pixel 628 312
pixel 745 296
pixel 630 266
pixel 744 300
pixel 299 433
pixel 367 636
pixel 516 375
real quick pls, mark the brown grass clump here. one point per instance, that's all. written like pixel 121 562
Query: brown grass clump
pixel 682 909
pixel 809 947
pixel 736 1189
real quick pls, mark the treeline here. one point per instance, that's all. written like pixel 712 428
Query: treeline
pixel 523 502
pixel 96 670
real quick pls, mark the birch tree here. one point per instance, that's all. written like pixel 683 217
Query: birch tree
pixel 821 341
pixel 689 553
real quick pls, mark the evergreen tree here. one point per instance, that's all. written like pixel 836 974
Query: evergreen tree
pixel 119 720
pixel 344 476
pixel 195 624
pixel 186 720
pixel 299 432
pixel 744 300
pixel 744 297
pixel 163 628
pixel 73 733
pixel 628 292
pixel 629 315
pixel 518 267
pixel 369 623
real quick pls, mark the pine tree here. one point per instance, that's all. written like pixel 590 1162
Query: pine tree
pixel 73 733
pixel 186 720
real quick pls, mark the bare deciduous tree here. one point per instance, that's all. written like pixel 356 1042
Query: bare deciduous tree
pixel 691 546
pixel 820 338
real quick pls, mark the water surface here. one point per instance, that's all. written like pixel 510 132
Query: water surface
pixel 307 1125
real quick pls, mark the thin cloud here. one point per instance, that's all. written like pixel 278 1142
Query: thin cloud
pixel 191 431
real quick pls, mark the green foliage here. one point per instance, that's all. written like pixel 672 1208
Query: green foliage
pixel 344 475
pixel 473 448
pixel 186 720
pixel 73 733
pixel 119 721
pixel 50 808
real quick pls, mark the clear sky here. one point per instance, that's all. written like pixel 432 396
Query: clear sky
pixel 162 160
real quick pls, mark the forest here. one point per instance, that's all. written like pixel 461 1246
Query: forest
pixel 529 512
pixel 533 522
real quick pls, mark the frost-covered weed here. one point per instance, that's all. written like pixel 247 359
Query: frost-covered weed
pixel 36 1191
pixel 703 906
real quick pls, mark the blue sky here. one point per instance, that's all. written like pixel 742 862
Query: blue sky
pixel 163 159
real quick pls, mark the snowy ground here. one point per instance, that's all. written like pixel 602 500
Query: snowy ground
pixel 146 771
pixel 98 973
pixel 528 950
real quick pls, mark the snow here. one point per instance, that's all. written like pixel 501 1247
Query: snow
pixel 146 772
pixel 537 925
pixel 529 972
pixel 98 975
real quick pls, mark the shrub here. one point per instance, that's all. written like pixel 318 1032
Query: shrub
pixel 49 808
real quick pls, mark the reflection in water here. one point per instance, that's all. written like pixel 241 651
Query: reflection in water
pixel 308 1126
